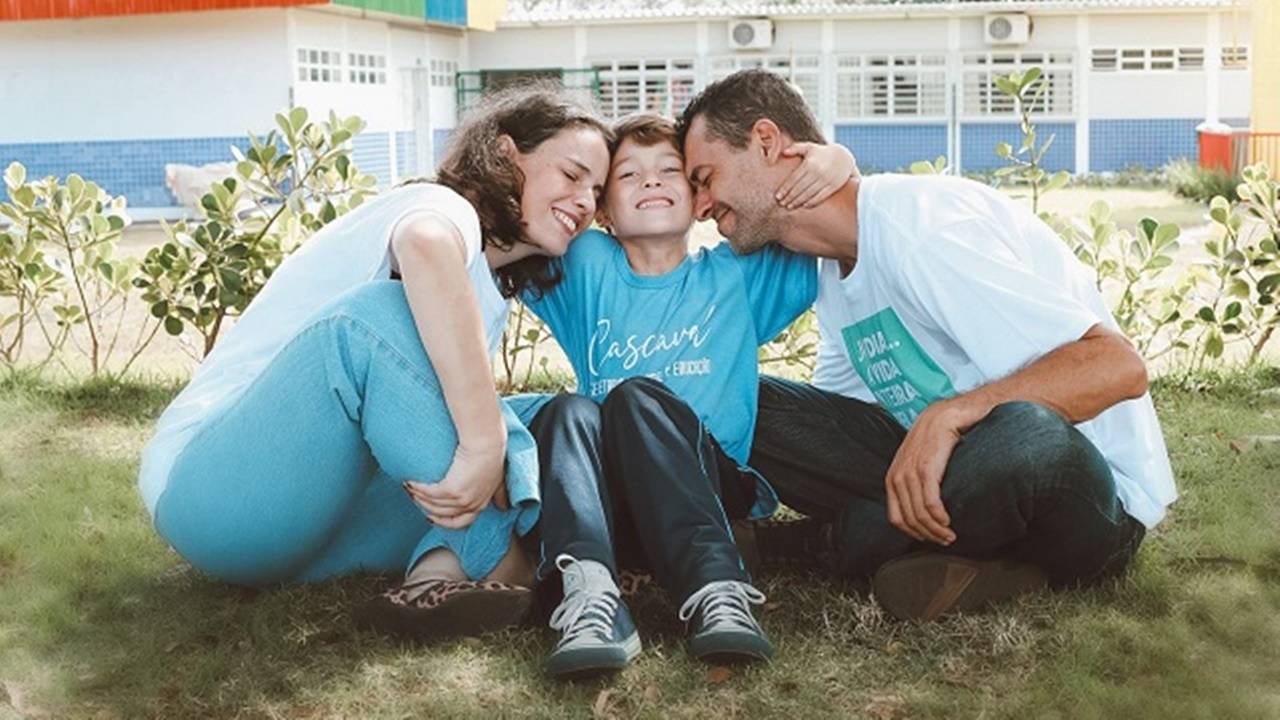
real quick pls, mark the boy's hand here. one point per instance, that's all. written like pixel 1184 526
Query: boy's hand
pixel 472 481
pixel 826 168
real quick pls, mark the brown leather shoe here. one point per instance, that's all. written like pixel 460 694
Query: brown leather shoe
pixel 435 608
pixel 925 586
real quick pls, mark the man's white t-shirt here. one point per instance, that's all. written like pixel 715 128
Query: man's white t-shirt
pixel 957 286
pixel 354 249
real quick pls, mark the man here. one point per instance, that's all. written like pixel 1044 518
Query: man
pixel 977 427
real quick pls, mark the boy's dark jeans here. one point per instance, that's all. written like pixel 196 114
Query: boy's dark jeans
pixel 1022 484
pixel 642 470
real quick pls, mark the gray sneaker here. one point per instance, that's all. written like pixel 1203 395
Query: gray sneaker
pixel 597 633
pixel 722 629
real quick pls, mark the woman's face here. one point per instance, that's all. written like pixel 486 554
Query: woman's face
pixel 563 178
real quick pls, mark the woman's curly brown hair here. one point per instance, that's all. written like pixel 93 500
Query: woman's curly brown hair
pixel 475 167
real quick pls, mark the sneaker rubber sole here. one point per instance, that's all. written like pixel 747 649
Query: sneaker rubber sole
pixel 730 648
pixel 582 663
pixel 926 586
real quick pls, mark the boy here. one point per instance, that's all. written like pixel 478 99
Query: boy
pixel 664 347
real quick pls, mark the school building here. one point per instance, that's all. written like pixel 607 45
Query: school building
pixel 116 89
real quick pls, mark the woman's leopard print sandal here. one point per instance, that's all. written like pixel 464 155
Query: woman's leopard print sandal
pixel 436 608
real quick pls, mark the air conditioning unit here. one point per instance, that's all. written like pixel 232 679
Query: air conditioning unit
pixel 1006 29
pixel 750 34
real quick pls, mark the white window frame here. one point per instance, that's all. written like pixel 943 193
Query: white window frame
pixel 443 72
pixel 364 68
pixel 804 71
pixel 1147 59
pixel 913 87
pixel 1235 57
pixel 981 100
pixel 318 65
pixel 660 85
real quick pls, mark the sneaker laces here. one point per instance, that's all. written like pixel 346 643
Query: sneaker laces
pixel 724 602
pixel 587 609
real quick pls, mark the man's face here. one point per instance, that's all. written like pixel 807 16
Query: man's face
pixel 733 187
pixel 647 194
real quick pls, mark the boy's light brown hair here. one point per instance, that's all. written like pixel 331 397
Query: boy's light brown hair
pixel 646 130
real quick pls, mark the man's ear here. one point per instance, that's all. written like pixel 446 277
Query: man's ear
pixel 507 146
pixel 768 137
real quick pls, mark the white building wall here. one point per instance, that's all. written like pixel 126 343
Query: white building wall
pixel 523 47
pixel 859 36
pixel 209 74
pixel 378 105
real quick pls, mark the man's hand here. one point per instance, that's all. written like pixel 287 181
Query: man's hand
pixel 474 478
pixel 914 482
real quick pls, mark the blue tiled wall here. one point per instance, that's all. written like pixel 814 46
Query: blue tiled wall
pixel 978 145
pixel 371 152
pixel 1150 143
pixel 407 154
pixel 881 148
pixel 440 143
pixel 133 168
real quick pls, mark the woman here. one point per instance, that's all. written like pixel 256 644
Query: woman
pixel 349 422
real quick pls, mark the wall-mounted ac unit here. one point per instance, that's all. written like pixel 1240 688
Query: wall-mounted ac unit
pixel 1006 29
pixel 750 34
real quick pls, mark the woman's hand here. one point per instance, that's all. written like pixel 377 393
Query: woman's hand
pixel 475 477
pixel 825 169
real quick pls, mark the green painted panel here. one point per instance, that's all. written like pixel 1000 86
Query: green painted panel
pixel 409 8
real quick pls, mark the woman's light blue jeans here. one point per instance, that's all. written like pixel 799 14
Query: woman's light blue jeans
pixel 299 478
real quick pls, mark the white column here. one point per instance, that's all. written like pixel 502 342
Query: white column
pixel 827 81
pixel 955 85
pixel 422 122
pixel 580 46
pixel 1083 68
pixel 701 64
pixel 1212 68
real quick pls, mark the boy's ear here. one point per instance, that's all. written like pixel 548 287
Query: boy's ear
pixel 768 137
pixel 507 146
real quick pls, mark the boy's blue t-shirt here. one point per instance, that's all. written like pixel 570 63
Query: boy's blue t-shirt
pixel 696 328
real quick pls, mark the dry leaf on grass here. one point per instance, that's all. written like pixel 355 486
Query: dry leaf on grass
pixel 718 674
pixel 15 697
pixel 600 708
pixel 886 707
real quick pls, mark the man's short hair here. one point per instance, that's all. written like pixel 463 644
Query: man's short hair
pixel 645 129
pixel 733 105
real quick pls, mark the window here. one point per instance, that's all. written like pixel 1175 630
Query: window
pixel 367 68
pixel 444 73
pixel 1235 58
pixel 1144 59
pixel 1191 58
pixel 804 71
pixel 661 86
pixel 1104 59
pixel 1055 87
pixel 870 86
pixel 323 66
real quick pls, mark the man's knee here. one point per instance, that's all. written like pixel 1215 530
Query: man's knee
pixel 1028 447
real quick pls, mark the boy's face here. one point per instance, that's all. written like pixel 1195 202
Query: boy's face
pixel 647 193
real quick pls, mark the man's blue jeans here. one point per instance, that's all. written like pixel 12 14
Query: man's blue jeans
pixel 1022 484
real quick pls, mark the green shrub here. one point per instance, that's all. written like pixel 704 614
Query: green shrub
pixel 1200 184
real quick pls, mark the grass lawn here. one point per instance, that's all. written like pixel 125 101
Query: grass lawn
pixel 99 619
